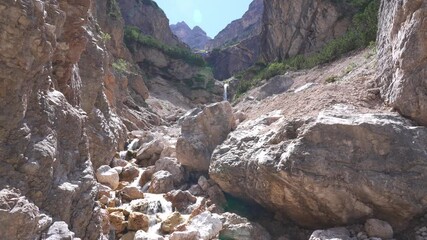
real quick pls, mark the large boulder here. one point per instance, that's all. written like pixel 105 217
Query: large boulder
pixel 162 182
pixel 331 234
pixel 339 168
pixel 207 224
pixel 107 175
pixel 239 228
pixel 173 167
pixel 402 51
pixel 201 131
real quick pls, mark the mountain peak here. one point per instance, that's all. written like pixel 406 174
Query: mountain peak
pixel 196 38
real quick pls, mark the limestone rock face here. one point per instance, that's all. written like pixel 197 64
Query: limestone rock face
pixel 237 46
pixel 285 29
pixel 246 27
pixel 201 131
pixel 334 170
pixel 148 17
pixel 402 52
pixel 235 58
pixel 285 34
pixel 19 218
pixel 60 101
pixel 195 38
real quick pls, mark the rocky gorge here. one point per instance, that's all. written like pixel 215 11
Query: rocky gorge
pixel 112 129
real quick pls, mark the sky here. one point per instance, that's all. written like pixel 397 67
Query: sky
pixel 211 15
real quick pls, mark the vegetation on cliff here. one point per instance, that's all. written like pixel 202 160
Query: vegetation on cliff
pixel 361 34
pixel 134 37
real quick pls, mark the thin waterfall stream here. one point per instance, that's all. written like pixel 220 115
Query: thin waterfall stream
pixel 225 92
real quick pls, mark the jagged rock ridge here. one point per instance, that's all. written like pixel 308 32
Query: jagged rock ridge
pixel 249 25
pixel 195 38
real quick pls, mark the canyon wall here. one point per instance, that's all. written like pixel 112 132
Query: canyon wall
pixel 402 51
pixel 60 102
pixel 284 29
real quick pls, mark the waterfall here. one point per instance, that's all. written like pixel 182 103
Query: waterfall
pixel 75 85
pixel 225 92
pixel 133 145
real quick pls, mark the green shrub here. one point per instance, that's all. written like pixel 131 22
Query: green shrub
pixel 105 37
pixel 121 66
pixel 134 36
pixel 332 79
pixel 202 80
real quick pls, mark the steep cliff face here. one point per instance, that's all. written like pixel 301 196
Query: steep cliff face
pixel 246 27
pixel 149 18
pixel 288 28
pixel 60 101
pixel 195 38
pixel 299 27
pixel 402 51
pixel 164 61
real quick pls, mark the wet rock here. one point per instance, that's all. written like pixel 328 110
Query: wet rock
pixel 108 176
pixel 146 175
pixel 329 234
pixel 171 222
pixel 173 167
pixel 150 152
pixel 138 221
pixel 162 182
pixel 129 173
pixel 131 193
pixel 239 228
pixel 180 199
pixel 203 183
pixel 117 162
pixel 142 235
pixel 378 228
pixel 128 236
pixel 185 235
pixel 305 175
pixel 104 200
pixel 149 206
pixel 117 221
pixel 103 191
pixel 119 170
pixel 216 196
pixel 196 190
pixel 201 131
